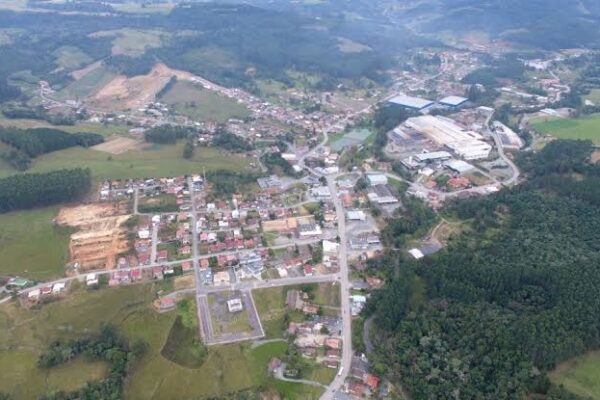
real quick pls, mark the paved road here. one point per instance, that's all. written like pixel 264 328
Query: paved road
pixel 346 360
pixel 515 170
pixel 279 375
pixel 154 244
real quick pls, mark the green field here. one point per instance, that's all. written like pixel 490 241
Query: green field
pixel 101 129
pixel 564 128
pixel 202 104
pixel 133 42
pixel 593 96
pixel 87 85
pixel 24 334
pixel 71 57
pixel 31 246
pixel 580 375
pixel 157 161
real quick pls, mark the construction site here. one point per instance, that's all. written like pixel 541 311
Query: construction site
pixel 99 235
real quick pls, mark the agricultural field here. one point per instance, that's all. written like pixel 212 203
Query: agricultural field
pixel 203 105
pixel 24 334
pixel 587 128
pixel 156 161
pixel 580 375
pixel 132 42
pixel 87 85
pixel 101 129
pixel 71 57
pixel 31 245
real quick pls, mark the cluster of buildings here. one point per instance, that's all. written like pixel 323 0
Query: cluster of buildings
pixel 318 339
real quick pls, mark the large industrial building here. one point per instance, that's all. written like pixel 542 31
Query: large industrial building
pixel 413 103
pixel 445 132
pixel 453 101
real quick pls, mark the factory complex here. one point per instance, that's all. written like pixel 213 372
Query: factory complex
pixel 466 144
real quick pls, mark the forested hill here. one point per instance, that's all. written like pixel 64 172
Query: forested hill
pixel 509 299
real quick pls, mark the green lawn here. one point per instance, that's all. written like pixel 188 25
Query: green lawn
pixel 158 161
pixel 580 375
pixel 31 246
pixel 202 104
pixel 565 128
pixel 24 334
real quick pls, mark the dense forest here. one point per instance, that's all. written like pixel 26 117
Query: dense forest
pixel 508 299
pixel 25 191
pixel 167 134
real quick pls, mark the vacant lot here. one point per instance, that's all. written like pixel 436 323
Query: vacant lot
pixel 580 375
pixel 202 104
pixel 118 145
pixel 31 245
pixel 156 161
pixel 581 128
pixel 270 304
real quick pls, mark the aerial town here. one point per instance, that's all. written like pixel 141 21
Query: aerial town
pixel 306 215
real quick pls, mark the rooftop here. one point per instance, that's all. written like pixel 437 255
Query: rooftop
pixel 453 100
pixel 411 102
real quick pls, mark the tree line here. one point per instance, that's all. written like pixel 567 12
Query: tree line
pixel 26 144
pixel 107 346
pixel 25 191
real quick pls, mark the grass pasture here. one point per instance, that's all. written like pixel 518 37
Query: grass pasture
pixel 24 334
pixel 71 57
pixel 201 104
pixel 101 129
pixel 586 128
pixel 31 246
pixel 88 85
pixel 580 375
pixel 133 42
pixel 156 161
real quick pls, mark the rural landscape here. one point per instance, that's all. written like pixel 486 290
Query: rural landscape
pixel 308 199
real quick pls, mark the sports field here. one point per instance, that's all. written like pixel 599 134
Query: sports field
pixel 31 246
pixel 566 128
pixel 203 105
pixel 157 161
pixel 580 375
pixel 227 369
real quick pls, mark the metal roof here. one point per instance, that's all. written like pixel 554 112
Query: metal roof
pixel 411 102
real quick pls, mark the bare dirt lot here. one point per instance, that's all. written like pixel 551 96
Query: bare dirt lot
pixel 124 93
pixel 100 237
pixel 118 145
